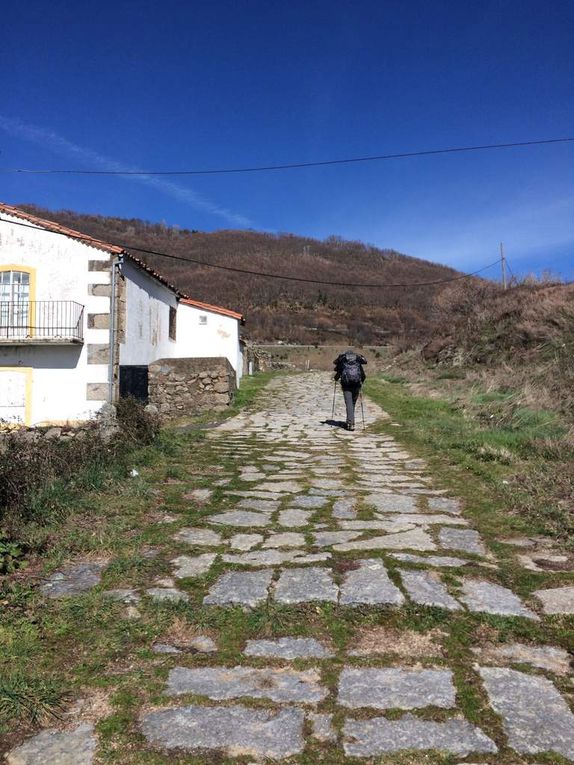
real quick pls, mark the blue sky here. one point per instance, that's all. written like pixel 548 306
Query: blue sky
pixel 176 85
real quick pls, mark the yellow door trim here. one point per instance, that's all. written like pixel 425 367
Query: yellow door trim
pixel 28 390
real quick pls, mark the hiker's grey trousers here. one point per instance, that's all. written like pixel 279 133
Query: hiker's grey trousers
pixel 351 395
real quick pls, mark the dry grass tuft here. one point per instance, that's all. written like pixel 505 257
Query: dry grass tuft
pixel 407 643
pixel 181 634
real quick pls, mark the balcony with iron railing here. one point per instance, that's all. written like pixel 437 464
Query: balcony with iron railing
pixel 41 322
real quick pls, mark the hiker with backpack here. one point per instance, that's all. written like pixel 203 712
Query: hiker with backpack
pixel 349 370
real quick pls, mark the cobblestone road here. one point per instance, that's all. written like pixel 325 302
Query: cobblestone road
pixel 351 523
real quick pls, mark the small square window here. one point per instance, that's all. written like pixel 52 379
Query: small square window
pixel 203 319
pixel 172 323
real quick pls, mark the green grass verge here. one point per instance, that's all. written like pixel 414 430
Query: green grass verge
pixel 509 462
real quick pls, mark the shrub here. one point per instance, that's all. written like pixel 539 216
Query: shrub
pixel 136 423
pixel 40 476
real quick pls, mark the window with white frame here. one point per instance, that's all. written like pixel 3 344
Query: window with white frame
pixel 14 298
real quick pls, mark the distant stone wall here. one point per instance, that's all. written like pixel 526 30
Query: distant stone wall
pixel 321 357
pixel 183 387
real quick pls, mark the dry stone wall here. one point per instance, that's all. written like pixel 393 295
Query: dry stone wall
pixel 181 387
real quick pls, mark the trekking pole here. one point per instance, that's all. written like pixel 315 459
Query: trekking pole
pixel 334 394
pixel 362 409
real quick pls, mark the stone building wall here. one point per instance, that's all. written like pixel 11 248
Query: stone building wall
pixel 182 387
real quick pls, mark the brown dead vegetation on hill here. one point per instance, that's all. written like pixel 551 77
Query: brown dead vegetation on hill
pixel 522 337
pixel 277 309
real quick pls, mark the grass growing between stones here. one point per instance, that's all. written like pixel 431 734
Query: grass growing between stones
pixel 53 650
pixel 87 645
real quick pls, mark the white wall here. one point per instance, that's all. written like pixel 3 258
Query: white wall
pixel 218 337
pixel 147 318
pixel 58 381
pixel 59 373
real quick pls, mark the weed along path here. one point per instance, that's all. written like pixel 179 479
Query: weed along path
pixel 306 595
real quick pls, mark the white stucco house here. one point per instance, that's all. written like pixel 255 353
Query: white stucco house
pixel 80 320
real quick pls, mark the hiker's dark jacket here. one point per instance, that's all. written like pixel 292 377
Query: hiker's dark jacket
pixel 349 358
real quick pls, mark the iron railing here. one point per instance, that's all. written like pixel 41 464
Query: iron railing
pixel 41 320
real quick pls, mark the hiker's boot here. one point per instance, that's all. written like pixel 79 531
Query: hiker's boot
pixel 350 427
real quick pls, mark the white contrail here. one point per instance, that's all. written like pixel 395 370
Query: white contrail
pixel 60 145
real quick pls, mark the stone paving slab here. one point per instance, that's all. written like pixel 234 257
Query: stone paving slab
pixel 74 579
pixel 535 717
pixel 309 502
pixel 328 492
pixel 301 585
pixel 267 496
pixel 465 540
pixel 123 595
pixel 328 483
pixel 245 542
pixel 427 589
pixel 275 557
pixel 438 561
pixel 392 503
pixel 286 487
pixel 558 600
pixel 417 539
pixel 396 688
pixel 54 747
pixel 445 505
pixel 262 505
pixel 328 538
pixel 246 518
pixel 225 683
pixel 198 537
pixel 167 594
pixel 285 539
pixel 369 585
pixel 490 598
pixel 288 648
pixel 393 526
pixel 542 561
pixel 426 519
pixel 294 517
pixel 369 738
pixel 344 509
pixel 187 566
pixel 246 588
pixel 234 730
pixel 322 724
pixel 546 657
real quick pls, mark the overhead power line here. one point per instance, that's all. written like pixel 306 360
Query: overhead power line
pixel 293 165
pixel 266 274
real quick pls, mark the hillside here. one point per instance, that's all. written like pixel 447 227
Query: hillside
pixel 522 337
pixel 277 309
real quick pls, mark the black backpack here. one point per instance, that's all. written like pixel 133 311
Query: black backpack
pixel 351 372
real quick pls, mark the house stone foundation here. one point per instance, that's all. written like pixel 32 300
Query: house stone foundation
pixel 183 387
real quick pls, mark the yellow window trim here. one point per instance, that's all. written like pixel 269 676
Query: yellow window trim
pixel 28 390
pixel 32 292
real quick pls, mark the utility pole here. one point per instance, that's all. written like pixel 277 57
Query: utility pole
pixel 503 266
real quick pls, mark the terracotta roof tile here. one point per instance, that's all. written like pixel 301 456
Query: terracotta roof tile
pixel 59 229
pixel 213 308
pixel 115 250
